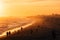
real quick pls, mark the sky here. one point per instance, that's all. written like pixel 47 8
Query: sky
pixel 22 8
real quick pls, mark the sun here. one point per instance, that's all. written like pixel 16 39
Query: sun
pixel 1 8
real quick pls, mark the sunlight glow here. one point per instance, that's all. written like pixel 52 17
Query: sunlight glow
pixel 1 8
pixel 16 29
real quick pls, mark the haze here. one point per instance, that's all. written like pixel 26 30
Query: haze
pixel 22 8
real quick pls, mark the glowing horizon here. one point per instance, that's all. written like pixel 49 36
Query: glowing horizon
pixel 1 8
pixel 28 7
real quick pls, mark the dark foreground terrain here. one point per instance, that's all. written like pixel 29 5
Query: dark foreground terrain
pixel 49 29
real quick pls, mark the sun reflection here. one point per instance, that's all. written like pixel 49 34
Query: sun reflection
pixel 16 29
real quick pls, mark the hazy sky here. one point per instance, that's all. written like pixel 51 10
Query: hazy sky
pixel 28 7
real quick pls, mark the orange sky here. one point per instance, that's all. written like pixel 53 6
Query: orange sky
pixel 28 7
